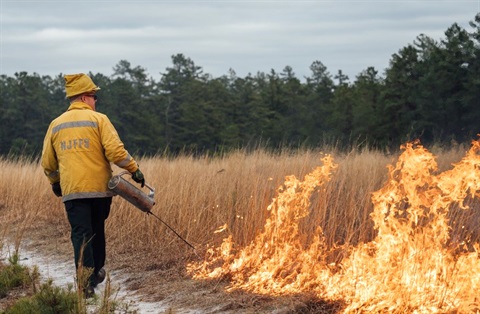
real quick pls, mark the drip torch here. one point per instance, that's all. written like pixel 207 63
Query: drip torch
pixel 138 198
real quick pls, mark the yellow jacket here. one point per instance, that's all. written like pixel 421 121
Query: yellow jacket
pixel 77 151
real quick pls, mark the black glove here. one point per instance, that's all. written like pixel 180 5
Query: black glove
pixel 138 177
pixel 57 189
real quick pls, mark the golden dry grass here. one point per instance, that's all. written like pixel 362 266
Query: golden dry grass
pixel 197 195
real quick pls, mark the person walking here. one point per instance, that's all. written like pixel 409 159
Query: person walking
pixel 77 151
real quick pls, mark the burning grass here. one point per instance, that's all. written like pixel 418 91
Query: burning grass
pixel 352 235
pixel 411 265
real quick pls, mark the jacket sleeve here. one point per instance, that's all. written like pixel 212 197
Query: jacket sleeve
pixel 49 160
pixel 114 148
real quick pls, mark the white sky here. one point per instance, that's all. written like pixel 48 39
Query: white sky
pixel 64 36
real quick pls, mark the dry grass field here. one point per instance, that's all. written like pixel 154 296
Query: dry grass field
pixel 198 195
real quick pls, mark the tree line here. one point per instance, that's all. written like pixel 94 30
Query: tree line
pixel 430 91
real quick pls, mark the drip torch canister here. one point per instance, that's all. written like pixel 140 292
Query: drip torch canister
pixel 133 195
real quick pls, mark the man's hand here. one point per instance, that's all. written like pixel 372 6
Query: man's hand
pixel 138 177
pixel 57 189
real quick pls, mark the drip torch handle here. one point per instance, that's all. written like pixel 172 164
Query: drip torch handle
pixel 146 184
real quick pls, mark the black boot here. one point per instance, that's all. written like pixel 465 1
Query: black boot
pixel 100 276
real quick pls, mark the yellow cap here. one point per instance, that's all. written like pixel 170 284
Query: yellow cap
pixel 76 84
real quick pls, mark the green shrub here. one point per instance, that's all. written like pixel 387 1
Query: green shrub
pixel 13 275
pixel 49 299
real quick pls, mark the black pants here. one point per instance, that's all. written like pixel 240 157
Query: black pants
pixel 87 220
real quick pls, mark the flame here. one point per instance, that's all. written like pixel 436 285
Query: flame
pixel 411 266
pixel 221 228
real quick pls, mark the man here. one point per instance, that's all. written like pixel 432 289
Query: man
pixel 77 151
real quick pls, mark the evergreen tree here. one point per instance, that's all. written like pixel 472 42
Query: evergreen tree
pixel 367 108
pixel 429 91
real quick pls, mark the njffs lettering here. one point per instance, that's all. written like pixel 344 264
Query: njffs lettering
pixel 75 144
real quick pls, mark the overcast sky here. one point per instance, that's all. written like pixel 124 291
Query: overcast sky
pixel 62 36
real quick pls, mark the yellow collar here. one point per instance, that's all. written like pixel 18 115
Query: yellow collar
pixel 78 105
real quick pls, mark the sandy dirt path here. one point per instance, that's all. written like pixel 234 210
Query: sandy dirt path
pixel 61 272
pixel 182 296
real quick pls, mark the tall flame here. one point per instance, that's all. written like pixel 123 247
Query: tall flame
pixel 411 266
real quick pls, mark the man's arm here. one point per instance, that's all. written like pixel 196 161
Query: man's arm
pixel 49 160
